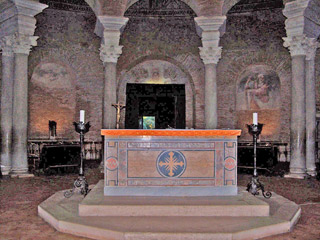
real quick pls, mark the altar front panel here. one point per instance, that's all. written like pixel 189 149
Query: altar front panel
pixel 170 164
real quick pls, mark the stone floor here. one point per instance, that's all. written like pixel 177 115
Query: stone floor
pixel 19 199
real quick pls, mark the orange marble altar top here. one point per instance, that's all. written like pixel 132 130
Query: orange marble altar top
pixel 170 132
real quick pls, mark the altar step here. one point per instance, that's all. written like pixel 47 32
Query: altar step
pixel 63 214
pixel 244 204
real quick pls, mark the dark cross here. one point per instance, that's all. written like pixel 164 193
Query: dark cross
pixel 119 107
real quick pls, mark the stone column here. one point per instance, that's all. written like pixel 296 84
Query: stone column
pixel 311 108
pixel 210 29
pixel 298 46
pixel 17 25
pixel 22 48
pixel 302 28
pixel 6 104
pixel 210 58
pixel 110 86
pixel 108 28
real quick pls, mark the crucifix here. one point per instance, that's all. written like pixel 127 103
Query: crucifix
pixel 150 3
pixel 119 107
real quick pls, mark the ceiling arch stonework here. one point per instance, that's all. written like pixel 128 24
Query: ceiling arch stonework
pixel 200 7
pixel 191 3
pixel 227 5
pixel 119 7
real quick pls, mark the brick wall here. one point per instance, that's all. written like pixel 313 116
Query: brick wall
pixel 68 45
pixel 66 74
pixel 171 40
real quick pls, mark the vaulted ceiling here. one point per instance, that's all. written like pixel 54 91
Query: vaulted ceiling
pixel 200 7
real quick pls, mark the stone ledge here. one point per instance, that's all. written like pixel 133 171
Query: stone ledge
pixel 243 204
pixel 62 214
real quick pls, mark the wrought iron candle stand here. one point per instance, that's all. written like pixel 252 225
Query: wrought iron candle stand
pixel 80 184
pixel 254 186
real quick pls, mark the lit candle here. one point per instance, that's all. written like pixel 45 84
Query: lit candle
pixel 82 115
pixel 255 118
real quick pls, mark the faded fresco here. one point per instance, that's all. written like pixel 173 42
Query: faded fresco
pixel 52 98
pixel 258 89
pixel 52 76
pixel 156 72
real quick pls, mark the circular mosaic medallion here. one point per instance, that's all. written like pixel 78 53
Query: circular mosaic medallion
pixel 230 163
pixel 111 164
pixel 171 164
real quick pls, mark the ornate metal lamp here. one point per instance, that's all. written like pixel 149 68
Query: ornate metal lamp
pixel 80 184
pixel 254 186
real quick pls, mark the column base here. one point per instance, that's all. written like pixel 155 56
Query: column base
pixel 299 173
pixel 295 175
pixel 22 175
pixel 312 172
pixel 5 170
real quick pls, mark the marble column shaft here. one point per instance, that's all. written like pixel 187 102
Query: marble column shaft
pixel 20 114
pixel 310 117
pixel 109 96
pixel 6 111
pixel 211 115
pixel 298 120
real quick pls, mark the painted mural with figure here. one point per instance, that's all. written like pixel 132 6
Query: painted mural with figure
pixel 259 88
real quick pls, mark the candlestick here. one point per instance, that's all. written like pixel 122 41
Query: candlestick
pixel 255 118
pixel 80 184
pixel 82 112
pixel 254 186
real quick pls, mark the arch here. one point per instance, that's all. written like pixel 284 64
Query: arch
pixel 145 70
pixel 158 57
pixel 193 4
pixel 227 5
pixel 312 12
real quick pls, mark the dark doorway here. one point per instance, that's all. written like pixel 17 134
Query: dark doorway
pixel 164 102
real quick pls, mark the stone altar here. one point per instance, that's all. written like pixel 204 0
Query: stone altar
pixel 154 188
pixel 170 162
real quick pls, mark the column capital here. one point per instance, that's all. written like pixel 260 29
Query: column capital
pixel 209 24
pixel 17 16
pixel 302 18
pixel 17 43
pixel 210 29
pixel 110 53
pixel 6 45
pixel 298 45
pixel 109 24
pixel 109 29
pixel 210 54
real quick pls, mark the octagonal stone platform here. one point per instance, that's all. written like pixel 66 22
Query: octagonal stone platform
pixel 156 218
pixel 243 204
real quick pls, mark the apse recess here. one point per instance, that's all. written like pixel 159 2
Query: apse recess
pixel 164 33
